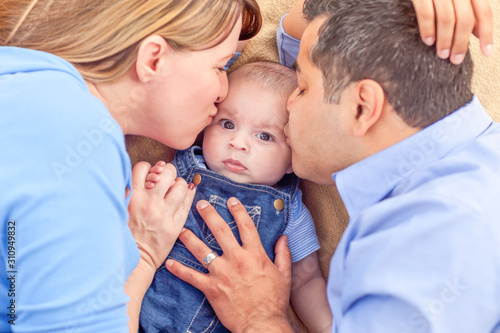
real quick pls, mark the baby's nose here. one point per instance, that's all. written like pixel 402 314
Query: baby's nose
pixel 239 142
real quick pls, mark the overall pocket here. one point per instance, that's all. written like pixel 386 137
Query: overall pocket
pixel 220 205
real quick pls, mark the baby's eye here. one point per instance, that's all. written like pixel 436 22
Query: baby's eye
pixel 227 124
pixel 265 137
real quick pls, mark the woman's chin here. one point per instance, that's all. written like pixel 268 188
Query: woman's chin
pixel 182 147
pixel 185 144
pixel 182 141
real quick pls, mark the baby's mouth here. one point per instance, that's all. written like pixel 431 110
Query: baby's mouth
pixel 234 165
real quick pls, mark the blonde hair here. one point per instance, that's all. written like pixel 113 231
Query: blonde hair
pixel 101 38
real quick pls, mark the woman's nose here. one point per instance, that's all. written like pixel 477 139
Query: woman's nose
pixel 223 87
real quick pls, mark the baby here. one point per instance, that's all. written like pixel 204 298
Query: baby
pixel 245 155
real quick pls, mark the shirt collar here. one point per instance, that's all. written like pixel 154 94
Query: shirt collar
pixel 371 179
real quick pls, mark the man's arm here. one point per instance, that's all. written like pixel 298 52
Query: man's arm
pixel 248 292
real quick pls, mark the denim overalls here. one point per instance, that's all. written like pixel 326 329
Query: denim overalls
pixel 170 304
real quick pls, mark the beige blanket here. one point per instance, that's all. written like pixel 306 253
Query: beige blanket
pixel 324 202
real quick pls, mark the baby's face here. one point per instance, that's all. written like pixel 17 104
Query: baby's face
pixel 245 141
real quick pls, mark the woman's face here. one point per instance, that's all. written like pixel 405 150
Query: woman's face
pixel 182 104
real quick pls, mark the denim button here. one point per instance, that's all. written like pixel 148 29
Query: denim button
pixel 279 204
pixel 197 179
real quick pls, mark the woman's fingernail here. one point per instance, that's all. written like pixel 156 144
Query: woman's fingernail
pixel 488 50
pixel 191 186
pixel 444 54
pixel 232 202
pixel 457 59
pixel 202 204
pixel 183 229
pixel 169 263
pixel 429 41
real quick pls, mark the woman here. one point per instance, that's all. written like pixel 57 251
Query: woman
pixel 106 68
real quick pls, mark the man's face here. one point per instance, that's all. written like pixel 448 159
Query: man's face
pixel 317 132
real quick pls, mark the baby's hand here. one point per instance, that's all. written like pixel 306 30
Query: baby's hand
pixel 154 174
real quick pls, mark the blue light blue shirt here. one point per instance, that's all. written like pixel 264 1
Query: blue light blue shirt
pixel 288 46
pixel 421 252
pixel 63 174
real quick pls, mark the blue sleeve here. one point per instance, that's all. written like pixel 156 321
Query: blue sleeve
pixel 302 238
pixel 419 264
pixel 64 170
pixel 288 46
pixel 232 60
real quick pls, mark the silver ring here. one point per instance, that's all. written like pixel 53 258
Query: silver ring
pixel 208 259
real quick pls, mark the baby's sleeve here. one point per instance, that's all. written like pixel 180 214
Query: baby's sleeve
pixel 302 238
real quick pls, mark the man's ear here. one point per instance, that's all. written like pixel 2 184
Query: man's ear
pixel 149 57
pixel 370 100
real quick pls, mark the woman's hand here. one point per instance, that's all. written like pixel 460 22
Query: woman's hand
pixel 454 21
pixel 158 209
pixel 248 292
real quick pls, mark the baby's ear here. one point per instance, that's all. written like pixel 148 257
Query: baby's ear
pixel 289 170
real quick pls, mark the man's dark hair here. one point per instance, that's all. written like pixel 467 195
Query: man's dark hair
pixel 379 40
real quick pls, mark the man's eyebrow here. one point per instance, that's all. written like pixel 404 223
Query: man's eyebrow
pixel 296 66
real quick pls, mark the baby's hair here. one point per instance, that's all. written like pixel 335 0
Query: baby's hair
pixel 270 75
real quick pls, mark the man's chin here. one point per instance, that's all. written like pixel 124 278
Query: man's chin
pixel 311 175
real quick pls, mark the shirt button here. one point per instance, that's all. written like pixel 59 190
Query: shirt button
pixel 197 179
pixel 279 204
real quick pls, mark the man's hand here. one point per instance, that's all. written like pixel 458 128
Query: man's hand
pixel 248 292
pixel 454 21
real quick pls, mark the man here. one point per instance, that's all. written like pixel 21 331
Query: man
pixel 415 158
